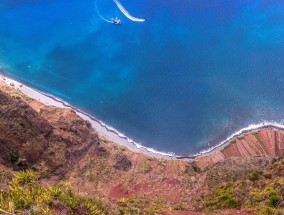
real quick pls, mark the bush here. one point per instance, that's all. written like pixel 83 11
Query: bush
pixel 223 197
pixel 25 177
pixel 255 176
pixel 15 157
pixel 264 210
pixel 162 163
pixel 273 200
pixel 146 168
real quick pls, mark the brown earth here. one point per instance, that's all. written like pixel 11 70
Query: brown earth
pixel 268 142
pixel 63 147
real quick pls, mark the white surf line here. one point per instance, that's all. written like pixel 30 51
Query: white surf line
pixel 125 12
pixel 122 139
pixel 103 129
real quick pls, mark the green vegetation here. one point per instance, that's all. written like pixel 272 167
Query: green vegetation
pixel 270 195
pixel 223 197
pixel 255 176
pixel 15 157
pixel 140 207
pixel 145 167
pixel 258 191
pixel 122 148
pixel 26 195
pixel 18 95
pixel 162 163
pixel 180 207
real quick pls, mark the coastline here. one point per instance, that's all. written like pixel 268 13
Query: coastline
pixel 104 131
pixel 111 134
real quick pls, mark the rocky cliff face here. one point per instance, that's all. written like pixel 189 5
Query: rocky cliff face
pixel 62 147
pixel 50 139
pixel 266 142
pixel 23 135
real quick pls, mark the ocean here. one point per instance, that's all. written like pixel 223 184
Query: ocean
pixel 192 74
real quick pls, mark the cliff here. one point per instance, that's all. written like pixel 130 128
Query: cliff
pixel 61 147
pixel 267 142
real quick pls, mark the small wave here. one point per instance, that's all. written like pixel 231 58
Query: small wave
pixel 126 13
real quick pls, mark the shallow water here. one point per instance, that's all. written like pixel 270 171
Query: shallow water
pixel 193 73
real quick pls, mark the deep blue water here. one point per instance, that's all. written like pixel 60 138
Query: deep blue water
pixel 193 73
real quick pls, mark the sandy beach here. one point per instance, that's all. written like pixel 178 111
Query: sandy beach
pixel 103 130
pixel 113 135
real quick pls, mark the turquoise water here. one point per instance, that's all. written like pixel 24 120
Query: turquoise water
pixel 185 79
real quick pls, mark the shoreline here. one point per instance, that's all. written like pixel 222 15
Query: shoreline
pixel 111 134
pixel 104 131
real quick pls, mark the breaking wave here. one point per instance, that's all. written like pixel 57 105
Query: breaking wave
pixel 126 13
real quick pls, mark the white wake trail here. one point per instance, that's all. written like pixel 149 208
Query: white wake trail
pixel 125 12
pixel 100 15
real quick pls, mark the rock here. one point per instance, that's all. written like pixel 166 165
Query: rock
pixel 195 167
pixel 274 160
pixel 281 204
pixel 81 211
pixel 122 162
pixel 22 164
pixel 100 151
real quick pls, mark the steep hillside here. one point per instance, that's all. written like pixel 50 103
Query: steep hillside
pixel 266 142
pixel 61 147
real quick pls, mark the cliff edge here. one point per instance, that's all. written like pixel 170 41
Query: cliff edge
pixel 246 177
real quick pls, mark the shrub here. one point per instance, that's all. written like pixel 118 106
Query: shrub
pixel 265 210
pixel 255 176
pixel 162 163
pixel 25 177
pixel 223 197
pixel 146 168
pixel 179 207
pixel 15 157
pixel 122 148
pixel 273 200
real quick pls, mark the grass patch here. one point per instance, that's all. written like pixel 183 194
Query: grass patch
pixel 27 196
pixel 223 197
pixel 145 167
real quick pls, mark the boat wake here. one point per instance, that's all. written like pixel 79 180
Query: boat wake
pixel 126 13
pixel 100 15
